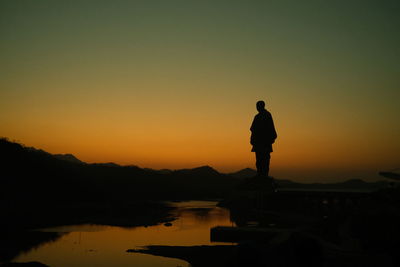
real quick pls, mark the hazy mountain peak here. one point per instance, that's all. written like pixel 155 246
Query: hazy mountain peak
pixel 202 170
pixel 205 168
pixel 107 164
pixel 68 157
pixel 244 173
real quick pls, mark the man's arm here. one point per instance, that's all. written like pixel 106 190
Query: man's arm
pixel 252 131
pixel 273 131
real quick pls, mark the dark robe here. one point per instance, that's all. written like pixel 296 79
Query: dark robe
pixel 263 132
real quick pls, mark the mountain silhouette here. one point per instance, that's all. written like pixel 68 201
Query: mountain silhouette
pixel 244 173
pixel 199 171
pixel 30 173
pixel 68 157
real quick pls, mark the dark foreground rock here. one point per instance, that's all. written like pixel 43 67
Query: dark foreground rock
pixel 197 256
pixel 294 249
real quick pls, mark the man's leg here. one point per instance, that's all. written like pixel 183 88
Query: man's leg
pixel 259 164
pixel 267 160
pixel 262 163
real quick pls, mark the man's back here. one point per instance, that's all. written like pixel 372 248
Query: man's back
pixel 263 132
pixel 263 135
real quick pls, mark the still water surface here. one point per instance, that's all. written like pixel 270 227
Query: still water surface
pixel 98 245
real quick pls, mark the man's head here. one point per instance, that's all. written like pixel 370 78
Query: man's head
pixel 260 105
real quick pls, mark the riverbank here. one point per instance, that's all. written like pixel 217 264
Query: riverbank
pixel 18 228
pixel 87 244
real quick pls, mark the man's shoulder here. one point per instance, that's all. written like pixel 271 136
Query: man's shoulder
pixel 264 114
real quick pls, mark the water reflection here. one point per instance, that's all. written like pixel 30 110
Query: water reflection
pixel 94 245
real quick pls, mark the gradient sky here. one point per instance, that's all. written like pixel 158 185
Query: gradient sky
pixel 173 84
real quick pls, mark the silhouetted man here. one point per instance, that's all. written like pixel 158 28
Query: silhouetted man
pixel 263 135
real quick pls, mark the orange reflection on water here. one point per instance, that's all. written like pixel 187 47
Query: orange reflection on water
pixel 94 245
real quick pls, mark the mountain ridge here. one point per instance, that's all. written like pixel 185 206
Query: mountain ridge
pixel 71 165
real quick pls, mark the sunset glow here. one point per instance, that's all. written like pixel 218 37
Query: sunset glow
pixel 173 84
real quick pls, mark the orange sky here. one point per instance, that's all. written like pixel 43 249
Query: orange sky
pixel 175 86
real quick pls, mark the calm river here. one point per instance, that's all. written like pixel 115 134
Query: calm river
pixel 98 245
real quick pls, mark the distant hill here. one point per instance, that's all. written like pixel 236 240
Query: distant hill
pixel 244 173
pixel 162 171
pixel 110 164
pixel 205 171
pixel 346 185
pixel 32 174
pixel 68 157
